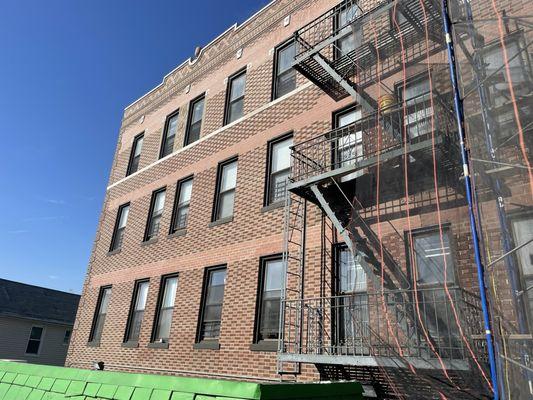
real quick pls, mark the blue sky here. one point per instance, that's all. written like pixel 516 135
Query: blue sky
pixel 67 70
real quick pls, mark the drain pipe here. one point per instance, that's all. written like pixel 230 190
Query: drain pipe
pixel 458 104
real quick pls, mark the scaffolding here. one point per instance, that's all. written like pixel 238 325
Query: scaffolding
pixel 402 303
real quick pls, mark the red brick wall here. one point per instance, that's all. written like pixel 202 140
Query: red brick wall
pixel 254 232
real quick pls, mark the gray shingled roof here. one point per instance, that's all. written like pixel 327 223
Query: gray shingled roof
pixel 27 301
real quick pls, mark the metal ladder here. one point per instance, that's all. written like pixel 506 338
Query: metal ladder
pixel 291 317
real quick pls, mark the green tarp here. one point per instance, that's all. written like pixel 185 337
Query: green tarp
pixel 20 381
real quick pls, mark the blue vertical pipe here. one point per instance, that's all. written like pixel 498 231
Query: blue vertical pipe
pixel 458 104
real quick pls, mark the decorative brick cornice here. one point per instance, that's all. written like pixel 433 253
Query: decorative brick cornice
pixel 212 56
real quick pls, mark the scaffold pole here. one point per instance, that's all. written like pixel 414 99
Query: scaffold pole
pixel 459 114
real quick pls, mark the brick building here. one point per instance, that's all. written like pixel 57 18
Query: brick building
pixel 369 251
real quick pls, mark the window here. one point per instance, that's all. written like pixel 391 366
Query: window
pixel 417 120
pixel 100 314
pixel 169 134
pixel 270 282
pixel 235 97
pixel 156 213
pixel 432 261
pixel 523 231
pixel 66 338
pixel 351 303
pixel 120 227
pixel 225 193
pixel 181 205
pixel 279 168
pixel 498 82
pixel 431 258
pixel 352 37
pixel 135 155
pixel 212 299
pixel 165 309
pixel 138 304
pixel 348 148
pixel 284 74
pixel 194 123
pixel 34 342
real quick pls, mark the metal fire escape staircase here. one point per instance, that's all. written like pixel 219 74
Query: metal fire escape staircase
pixel 341 75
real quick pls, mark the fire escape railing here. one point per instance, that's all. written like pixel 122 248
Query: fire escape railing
pixel 369 324
pixel 357 145
pixel 379 33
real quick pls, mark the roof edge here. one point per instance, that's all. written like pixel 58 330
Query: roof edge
pixel 190 61
pixel 40 287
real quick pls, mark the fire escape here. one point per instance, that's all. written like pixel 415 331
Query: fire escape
pixel 336 171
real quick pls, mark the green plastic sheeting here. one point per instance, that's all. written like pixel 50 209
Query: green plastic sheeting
pixel 40 382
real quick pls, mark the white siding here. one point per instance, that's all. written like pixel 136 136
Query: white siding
pixel 14 334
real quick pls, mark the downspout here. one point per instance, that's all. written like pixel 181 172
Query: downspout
pixel 458 105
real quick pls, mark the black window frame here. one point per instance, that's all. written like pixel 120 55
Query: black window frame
pixel 337 27
pixel 336 159
pixel 416 101
pixel 159 304
pixel 514 218
pixel 504 120
pixel 131 163
pixel 267 200
pixel 218 193
pixel 337 330
pixel 260 298
pixel 131 312
pixel 275 85
pixel 96 315
pixel 177 206
pixel 67 336
pixel 411 265
pixel 187 138
pixel 164 138
pixel 113 247
pixel 31 340
pixel 203 303
pixel 228 101
pixel 147 236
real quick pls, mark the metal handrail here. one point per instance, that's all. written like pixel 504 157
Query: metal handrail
pixel 354 324
pixel 321 153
